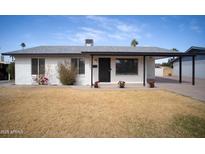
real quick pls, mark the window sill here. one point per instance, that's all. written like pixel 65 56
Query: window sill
pixel 81 75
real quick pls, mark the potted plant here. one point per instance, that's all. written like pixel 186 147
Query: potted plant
pixel 121 84
pixel 96 84
pixel 151 83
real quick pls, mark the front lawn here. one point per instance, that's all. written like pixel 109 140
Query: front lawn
pixel 67 112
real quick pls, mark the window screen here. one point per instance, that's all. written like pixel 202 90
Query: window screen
pixel 34 64
pixel 81 66
pixel 78 64
pixel 42 66
pixel 37 66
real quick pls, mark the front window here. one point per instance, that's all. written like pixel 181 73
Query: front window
pixel 78 64
pixel 34 66
pixel 38 66
pixel 126 66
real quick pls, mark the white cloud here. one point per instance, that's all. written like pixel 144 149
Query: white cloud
pixel 60 36
pixel 195 27
pixel 192 25
pixel 148 35
pixel 120 30
pixel 113 23
pixel 128 28
pixel 164 19
pixel 105 29
pixel 181 27
pixel 98 18
pixel 87 32
pixel 103 22
pixel 27 35
pixel 115 36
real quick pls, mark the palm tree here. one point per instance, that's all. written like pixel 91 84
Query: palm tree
pixel 23 45
pixel 174 49
pixel 134 43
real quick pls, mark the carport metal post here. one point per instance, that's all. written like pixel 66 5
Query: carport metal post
pixel 143 70
pixel 91 84
pixel 193 70
pixel 180 69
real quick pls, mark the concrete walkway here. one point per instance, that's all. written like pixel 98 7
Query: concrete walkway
pixel 185 88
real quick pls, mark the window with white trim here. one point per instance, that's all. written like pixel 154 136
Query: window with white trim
pixel 126 66
pixel 37 66
pixel 78 64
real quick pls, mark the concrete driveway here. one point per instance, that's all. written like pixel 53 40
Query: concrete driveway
pixel 185 88
pixel 6 82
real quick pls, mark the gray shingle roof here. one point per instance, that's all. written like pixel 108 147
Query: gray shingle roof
pixel 83 49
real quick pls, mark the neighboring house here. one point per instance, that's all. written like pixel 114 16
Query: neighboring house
pixel 163 71
pixel 187 64
pixel 3 71
pixel 107 64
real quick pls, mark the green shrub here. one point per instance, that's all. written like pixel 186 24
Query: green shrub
pixel 67 74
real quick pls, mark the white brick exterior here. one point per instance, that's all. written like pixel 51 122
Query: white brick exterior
pixel 51 64
pixel 24 77
pixel 23 71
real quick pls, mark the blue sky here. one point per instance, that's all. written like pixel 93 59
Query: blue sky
pixel 179 32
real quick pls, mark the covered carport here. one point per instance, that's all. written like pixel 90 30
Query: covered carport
pixel 184 73
pixel 178 55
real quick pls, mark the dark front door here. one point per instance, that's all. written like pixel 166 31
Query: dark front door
pixel 104 69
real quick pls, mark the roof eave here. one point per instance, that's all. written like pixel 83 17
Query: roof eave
pixel 142 53
pixel 113 53
pixel 27 54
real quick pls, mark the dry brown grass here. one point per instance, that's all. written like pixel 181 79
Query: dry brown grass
pixel 66 112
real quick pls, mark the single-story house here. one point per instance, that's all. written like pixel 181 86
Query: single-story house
pixel 106 64
pixel 187 64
